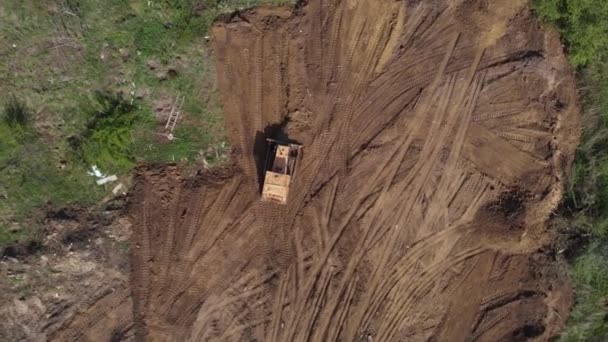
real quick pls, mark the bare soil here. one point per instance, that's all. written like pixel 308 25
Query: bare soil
pixel 436 136
pixel 44 286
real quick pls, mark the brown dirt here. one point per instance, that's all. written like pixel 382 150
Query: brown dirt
pixel 80 260
pixel 436 135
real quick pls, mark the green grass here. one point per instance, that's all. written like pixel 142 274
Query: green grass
pixel 107 141
pixel 8 235
pixel 583 25
pixel 31 178
pixel 587 321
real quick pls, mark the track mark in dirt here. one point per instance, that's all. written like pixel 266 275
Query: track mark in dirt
pixel 415 125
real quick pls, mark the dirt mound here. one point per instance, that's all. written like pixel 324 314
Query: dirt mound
pixel 435 135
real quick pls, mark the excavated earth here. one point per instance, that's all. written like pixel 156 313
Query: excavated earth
pixel 436 136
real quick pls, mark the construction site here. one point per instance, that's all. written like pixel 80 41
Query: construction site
pixel 432 141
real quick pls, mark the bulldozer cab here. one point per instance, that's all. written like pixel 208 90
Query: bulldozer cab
pixel 281 160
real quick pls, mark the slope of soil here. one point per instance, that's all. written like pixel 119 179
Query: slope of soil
pixel 436 135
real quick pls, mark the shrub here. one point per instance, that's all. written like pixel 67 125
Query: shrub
pixel 106 140
pixel 583 25
pixel 587 321
pixel 16 112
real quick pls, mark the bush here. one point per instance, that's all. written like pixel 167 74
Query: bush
pixel 587 321
pixel 583 25
pixel 107 139
pixel 16 113
pixel 587 189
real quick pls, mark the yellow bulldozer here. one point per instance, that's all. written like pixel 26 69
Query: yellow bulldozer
pixel 280 170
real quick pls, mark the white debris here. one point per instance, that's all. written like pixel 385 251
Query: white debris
pixel 117 188
pixel 96 172
pixel 102 178
pixel 108 179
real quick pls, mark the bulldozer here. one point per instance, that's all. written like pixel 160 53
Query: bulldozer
pixel 279 170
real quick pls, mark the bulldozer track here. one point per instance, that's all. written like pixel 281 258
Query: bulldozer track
pixel 78 328
pixel 258 95
pixel 430 275
pixel 343 312
pixel 278 310
pixel 166 247
pixel 361 249
pixel 139 260
pixel 478 332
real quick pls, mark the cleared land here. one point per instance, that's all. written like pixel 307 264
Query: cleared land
pixel 435 138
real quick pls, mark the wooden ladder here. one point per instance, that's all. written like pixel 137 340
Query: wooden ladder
pixel 175 112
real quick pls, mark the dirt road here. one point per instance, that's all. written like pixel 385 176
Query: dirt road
pixel 436 135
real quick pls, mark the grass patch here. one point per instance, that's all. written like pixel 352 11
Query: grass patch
pixel 9 235
pixel 150 36
pixel 107 140
pixel 16 113
pixel 583 25
pixel 587 321
pixel 30 177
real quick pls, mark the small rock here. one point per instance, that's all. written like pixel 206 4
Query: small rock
pixel 162 75
pixel 36 302
pixel 172 70
pixel 15 227
pixel 141 93
pixel 153 64
pixel 20 307
pixel 3 270
pixel 125 54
